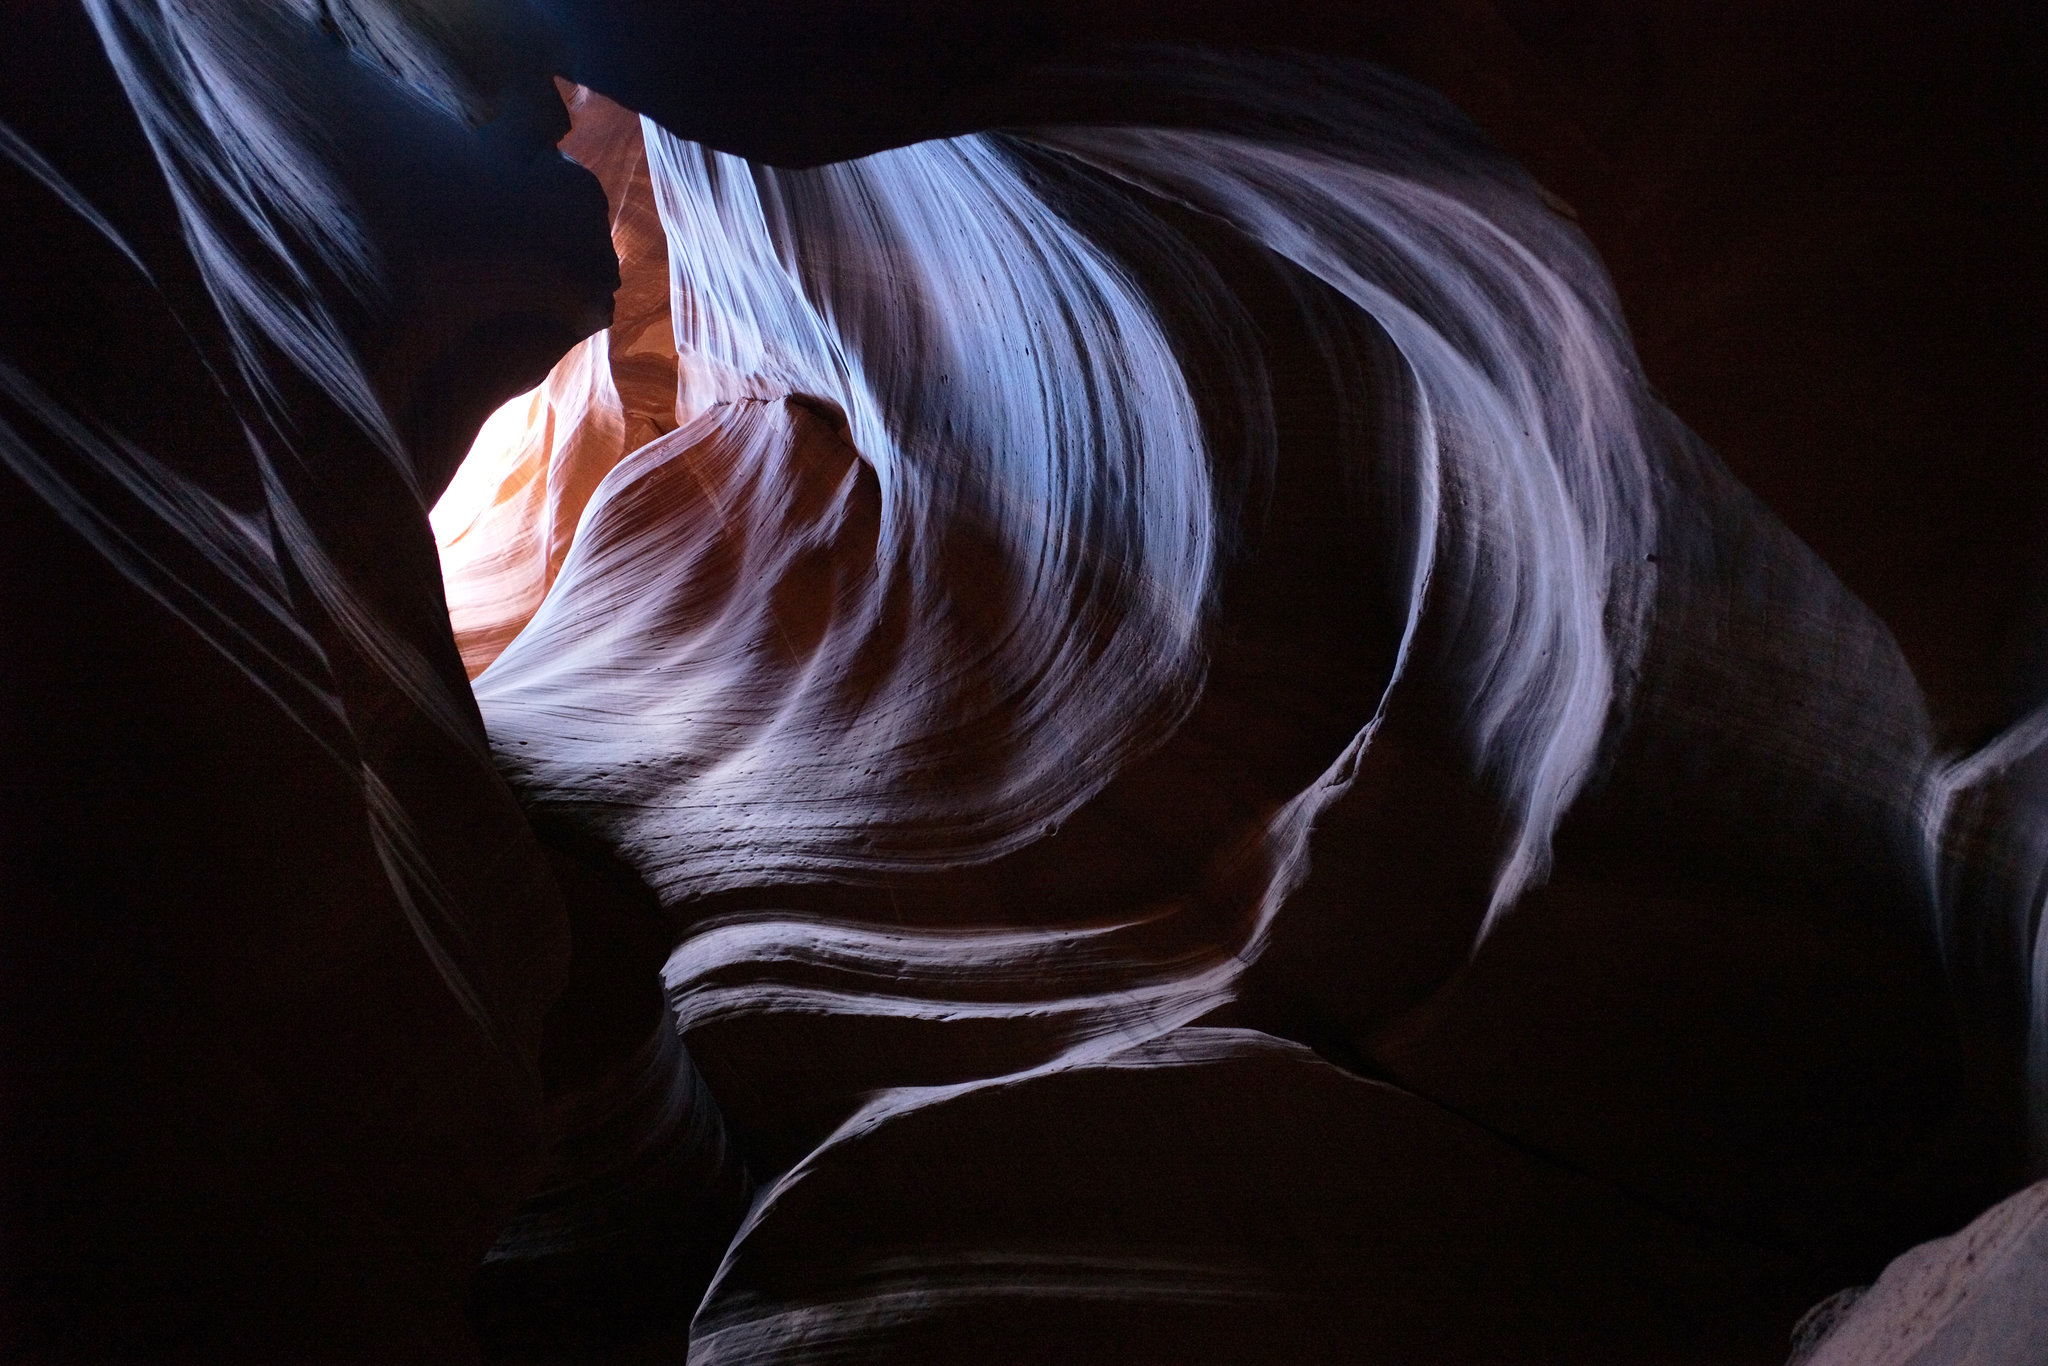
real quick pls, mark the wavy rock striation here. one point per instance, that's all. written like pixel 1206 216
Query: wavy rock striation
pixel 1127 602
pixel 278 943
pixel 1133 737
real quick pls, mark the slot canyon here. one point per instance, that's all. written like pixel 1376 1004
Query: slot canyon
pixel 1035 682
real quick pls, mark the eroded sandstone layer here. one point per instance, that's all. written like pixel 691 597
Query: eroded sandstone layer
pixel 1125 602
pixel 1096 712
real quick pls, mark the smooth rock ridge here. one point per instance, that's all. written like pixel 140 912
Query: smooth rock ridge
pixel 1975 1298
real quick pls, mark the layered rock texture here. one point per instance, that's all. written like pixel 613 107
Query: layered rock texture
pixel 1976 1296
pixel 278 941
pixel 505 524
pixel 1100 716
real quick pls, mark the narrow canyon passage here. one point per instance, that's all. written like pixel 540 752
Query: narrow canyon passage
pixel 1079 704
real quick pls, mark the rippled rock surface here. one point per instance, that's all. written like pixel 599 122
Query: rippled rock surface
pixel 1095 711
pixel 1140 619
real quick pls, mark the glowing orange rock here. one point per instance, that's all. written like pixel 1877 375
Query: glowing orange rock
pixel 505 523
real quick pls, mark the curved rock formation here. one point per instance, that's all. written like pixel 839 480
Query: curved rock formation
pixel 506 521
pixel 277 940
pixel 929 835
pixel 1135 736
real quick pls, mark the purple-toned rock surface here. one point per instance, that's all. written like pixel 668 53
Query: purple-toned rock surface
pixel 1975 1298
pixel 1096 706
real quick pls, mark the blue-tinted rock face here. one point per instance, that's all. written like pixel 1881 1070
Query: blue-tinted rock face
pixel 1136 737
